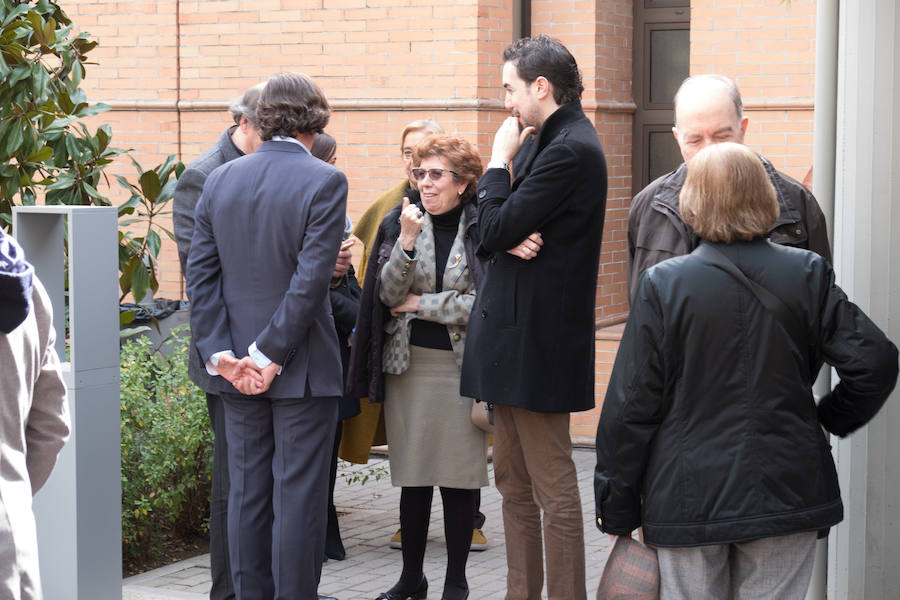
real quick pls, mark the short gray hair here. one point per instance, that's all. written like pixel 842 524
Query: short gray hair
pixel 245 105
pixel 730 87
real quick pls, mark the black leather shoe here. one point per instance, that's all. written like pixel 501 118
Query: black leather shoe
pixel 455 593
pixel 334 549
pixel 417 594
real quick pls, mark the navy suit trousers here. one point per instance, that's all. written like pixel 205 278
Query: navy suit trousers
pixel 279 453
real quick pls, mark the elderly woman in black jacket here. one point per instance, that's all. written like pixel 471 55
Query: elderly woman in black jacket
pixel 710 437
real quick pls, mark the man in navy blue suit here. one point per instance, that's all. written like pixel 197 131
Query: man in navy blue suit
pixel 268 227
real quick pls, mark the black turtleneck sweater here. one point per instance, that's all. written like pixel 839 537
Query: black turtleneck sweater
pixel 428 333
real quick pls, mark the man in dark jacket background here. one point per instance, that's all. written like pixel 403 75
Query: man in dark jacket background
pixel 239 139
pixel 709 110
pixel 530 346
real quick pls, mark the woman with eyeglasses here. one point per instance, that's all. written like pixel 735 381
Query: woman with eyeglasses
pixel 428 283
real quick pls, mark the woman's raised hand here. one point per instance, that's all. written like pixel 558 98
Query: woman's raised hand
pixel 411 219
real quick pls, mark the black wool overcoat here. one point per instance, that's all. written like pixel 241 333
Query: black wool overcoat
pixel 530 339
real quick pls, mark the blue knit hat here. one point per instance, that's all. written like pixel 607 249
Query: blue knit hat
pixel 15 284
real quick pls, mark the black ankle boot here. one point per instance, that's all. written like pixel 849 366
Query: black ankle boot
pixel 397 593
pixel 455 590
pixel 334 548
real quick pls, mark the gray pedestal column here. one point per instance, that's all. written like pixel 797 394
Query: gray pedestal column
pixel 78 511
pixel 863 550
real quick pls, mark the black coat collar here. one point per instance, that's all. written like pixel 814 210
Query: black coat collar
pixel 555 124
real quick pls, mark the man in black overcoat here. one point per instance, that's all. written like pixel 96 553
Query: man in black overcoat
pixel 530 346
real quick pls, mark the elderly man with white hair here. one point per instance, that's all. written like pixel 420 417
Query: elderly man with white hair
pixel 709 110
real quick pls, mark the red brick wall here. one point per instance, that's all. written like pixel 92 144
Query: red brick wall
pixel 599 35
pixel 409 58
pixel 382 63
pixel 768 47
pixel 169 68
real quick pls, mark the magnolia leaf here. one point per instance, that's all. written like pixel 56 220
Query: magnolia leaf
pixel 63 181
pixel 127 207
pixel 140 282
pixel 150 185
pixel 153 243
pixel 92 191
pixel 103 136
pixel 14 139
pixel 128 332
pixel 166 193
pixel 165 169
pixel 20 72
pixel 77 73
pixel 49 32
pixel 37 25
pixel 15 14
pixel 41 155
pixel 91 110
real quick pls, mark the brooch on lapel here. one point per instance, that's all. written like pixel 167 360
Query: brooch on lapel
pixel 456 261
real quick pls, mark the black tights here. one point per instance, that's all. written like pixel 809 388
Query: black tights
pixel 415 513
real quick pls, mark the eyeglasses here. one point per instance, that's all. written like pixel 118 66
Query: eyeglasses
pixel 435 174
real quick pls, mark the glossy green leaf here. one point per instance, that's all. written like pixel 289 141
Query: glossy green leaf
pixel 127 208
pixel 41 155
pixel 15 14
pixel 153 243
pixel 103 136
pixel 13 139
pixel 37 25
pixel 126 317
pixel 150 186
pixel 140 283
pixel 49 31
pixel 63 181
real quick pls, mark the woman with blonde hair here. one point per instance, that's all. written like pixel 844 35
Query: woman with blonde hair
pixel 710 438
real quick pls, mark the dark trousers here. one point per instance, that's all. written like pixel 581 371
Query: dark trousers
pixel 279 450
pixel 334 545
pixel 219 562
pixel 479 517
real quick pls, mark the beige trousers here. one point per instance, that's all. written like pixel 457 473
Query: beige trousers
pixel 534 472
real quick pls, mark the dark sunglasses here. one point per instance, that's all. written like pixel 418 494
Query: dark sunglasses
pixel 434 174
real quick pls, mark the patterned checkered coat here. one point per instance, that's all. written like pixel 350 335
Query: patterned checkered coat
pixel 402 275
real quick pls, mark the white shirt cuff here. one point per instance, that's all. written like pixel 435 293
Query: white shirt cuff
pixel 261 360
pixel 213 361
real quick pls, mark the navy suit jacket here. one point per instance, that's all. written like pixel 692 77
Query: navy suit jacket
pixel 268 227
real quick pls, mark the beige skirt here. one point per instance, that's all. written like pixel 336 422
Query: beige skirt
pixel 430 435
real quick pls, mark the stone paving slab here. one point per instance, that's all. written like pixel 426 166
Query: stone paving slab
pixel 368 518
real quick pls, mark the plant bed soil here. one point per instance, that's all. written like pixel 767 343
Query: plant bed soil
pixel 171 551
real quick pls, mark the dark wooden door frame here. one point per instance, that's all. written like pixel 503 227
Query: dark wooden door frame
pixel 649 16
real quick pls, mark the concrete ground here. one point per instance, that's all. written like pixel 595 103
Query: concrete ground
pixel 368 518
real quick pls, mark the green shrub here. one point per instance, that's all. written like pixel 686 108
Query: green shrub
pixel 166 446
